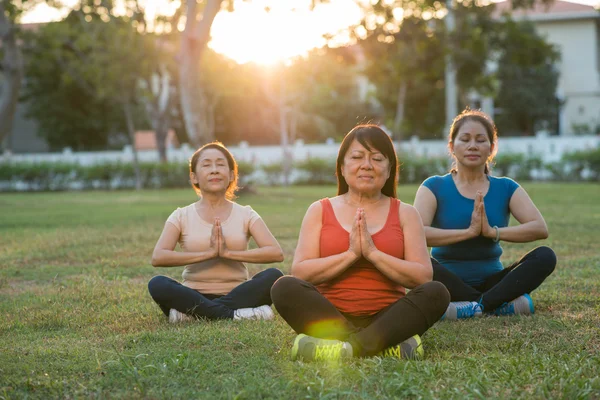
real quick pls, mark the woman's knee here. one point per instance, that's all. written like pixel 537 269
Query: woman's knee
pixel 437 294
pixel 547 258
pixel 283 287
pixel 157 285
pixel 272 274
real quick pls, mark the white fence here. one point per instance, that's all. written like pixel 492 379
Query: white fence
pixel 549 148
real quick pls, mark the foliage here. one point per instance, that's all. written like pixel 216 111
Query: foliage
pixel 516 165
pixel 245 171
pixel 318 171
pixel 578 161
pixel 77 320
pixel 407 61
pixel 416 169
pixel 70 110
pixel 65 176
pixel 527 81
pixel 57 176
pixel 273 172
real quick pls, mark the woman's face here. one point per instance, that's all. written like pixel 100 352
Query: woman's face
pixel 472 146
pixel 212 173
pixel 365 171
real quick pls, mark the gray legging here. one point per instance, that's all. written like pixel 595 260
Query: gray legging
pixel 304 307
pixel 168 293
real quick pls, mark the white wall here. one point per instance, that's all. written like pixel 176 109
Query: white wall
pixel 579 81
pixel 549 148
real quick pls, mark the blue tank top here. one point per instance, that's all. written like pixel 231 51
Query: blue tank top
pixel 475 259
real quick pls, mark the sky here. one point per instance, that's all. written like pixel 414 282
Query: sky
pixel 246 35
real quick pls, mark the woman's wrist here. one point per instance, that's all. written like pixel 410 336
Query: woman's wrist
pixel 490 232
pixel 373 256
pixel 496 234
pixel 470 233
pixel 352 256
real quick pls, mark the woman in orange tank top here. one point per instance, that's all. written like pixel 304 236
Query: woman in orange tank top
pixel 356 254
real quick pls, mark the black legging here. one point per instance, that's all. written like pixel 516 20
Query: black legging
pixel 307 311
pixel 521 277
pixel 168 293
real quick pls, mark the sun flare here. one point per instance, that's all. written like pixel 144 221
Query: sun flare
pixel 254 34
pixel 261 31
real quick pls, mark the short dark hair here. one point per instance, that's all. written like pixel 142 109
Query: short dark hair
pixel 369 135
pixel 483 119
pixel 233 187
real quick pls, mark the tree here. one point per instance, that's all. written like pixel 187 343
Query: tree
pixel 196 35
pixel 407 71
pixel 68 111
pixel 408 54
pixel 11 66
pixel 527 80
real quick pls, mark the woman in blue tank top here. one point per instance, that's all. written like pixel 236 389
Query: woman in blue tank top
pixel 466 215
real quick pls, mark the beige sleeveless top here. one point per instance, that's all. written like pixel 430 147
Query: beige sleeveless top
pixel 215 276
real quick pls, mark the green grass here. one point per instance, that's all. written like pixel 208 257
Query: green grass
pixel 76 320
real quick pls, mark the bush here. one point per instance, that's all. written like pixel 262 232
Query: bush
pixel 516 165
pixel 584 160
pixel 318 171
pixel 417 169
pixel 245 171
pixel 63 176
pixel 273 172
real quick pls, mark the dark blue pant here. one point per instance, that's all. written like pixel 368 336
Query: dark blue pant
pixel 521 277
pixel 168 293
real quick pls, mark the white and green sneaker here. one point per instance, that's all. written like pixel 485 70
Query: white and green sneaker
pixel 308 348
pixel 410 349
pixel 522 305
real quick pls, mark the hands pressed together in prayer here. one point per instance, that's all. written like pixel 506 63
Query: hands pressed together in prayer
pixel 218 247
pixel 361 242
pixel 479 222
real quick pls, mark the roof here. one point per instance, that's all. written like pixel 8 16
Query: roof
pixel 146 140
pixel 558 10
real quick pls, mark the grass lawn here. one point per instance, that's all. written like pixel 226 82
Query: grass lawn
pixel 76 320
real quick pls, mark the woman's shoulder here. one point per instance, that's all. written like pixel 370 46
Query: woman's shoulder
pixel 245 210
pixel 184 209
pixel 434 182
pixel 315 210
pixel 407 213
pixel 405 207
pixel 504 182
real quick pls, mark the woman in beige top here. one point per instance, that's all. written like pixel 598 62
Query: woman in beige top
pixel 213 234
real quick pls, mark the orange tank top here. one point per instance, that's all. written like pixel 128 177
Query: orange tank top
pixel 362 289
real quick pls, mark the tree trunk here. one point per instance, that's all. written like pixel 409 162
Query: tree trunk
pixel 284 134
pixel 12 69
pixel 400 110
pixel 131 132
pixel 158 109
pixel 193 101
pixel 161 131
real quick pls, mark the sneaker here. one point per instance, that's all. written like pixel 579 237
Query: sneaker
pixel 309 348
pixel 462 309
pixel 177 316
pixel 522 305
pixel 410 349
pixel 263 312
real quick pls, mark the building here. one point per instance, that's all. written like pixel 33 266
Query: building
pixel 575 30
